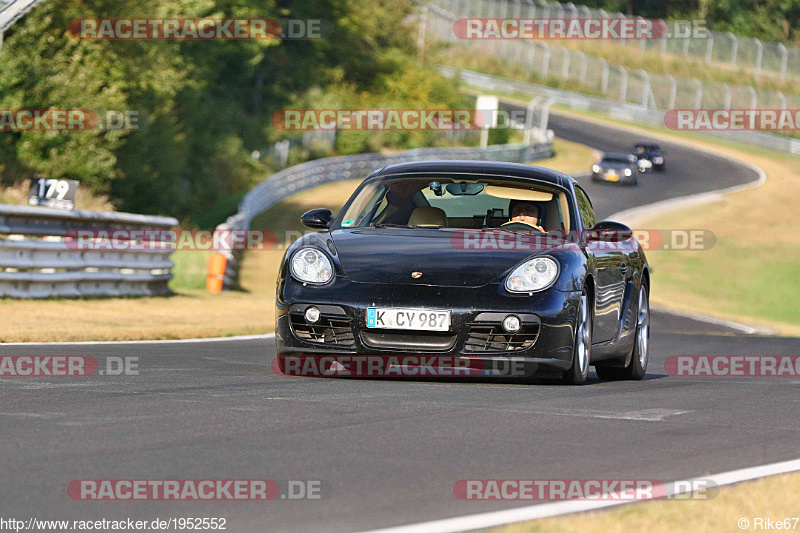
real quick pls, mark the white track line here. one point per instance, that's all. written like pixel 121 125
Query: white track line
pixel 172 341
pixel 749 330
pixel 546 510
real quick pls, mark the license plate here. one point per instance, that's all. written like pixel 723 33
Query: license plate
pixel 612 176
pixel 415 319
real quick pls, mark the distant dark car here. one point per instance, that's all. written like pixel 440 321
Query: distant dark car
pixel 649 152
pixel 617 168
pixel 391 275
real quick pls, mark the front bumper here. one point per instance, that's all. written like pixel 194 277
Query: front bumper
pixel 544 342
pixel 614 178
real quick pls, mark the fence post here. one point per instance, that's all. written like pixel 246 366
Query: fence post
pixel 673 92
pixel 582 72
pixel 526 136
pixel 545 60
pixel 532 53
pixel 753 98
pixel 784 60
pixel 686 41
pixel 623 84
pixel 604 77
pixel 698 97
pixel 544 118
pixel 782 99
pixel 423 27
pixel 642 42
pixel 572 8
pixel 759 57
pixel 709 46
pixel 645 87
pixel 727 95
pixel 734 48
pixel 565 59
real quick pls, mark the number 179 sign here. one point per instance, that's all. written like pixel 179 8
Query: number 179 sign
pixel 46 192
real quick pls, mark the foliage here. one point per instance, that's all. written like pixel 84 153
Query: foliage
pixel 203 106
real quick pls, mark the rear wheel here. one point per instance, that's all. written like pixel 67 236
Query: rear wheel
pixel 641 349
pixel 582 347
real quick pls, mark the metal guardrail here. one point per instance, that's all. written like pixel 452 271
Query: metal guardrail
pixel 619 110
pixel 13 10
pixel 39 258
pixel 312 173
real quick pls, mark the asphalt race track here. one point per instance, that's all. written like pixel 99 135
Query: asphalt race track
pixel 389 451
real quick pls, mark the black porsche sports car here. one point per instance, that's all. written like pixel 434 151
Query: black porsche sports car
pixel 649 152
pixel 495 261
pixel 617 168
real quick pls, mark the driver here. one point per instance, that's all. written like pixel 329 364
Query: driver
pixel 526 213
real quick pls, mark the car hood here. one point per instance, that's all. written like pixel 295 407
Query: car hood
pixel 390 256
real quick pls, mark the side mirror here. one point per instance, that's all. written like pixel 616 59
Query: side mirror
pixel 317 218
pixel 608 231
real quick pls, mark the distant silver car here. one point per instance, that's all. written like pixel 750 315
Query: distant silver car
pixel 618 168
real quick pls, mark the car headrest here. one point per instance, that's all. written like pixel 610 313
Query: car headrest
pixel 428 217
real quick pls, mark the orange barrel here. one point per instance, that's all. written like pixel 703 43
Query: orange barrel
pixel 216 272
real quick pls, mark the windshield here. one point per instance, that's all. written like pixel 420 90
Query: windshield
pixel 616 159
pixel 453 202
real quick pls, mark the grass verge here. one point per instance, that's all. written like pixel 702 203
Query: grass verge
pixel 773 497
pixel 192 312
pixel 749 274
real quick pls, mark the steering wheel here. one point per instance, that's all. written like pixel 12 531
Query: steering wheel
pixel 517 225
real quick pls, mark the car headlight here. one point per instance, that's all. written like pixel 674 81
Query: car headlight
pixel 596 169
pixel 658 160
pixel 311 265
pixel 628 172
pixel 534 275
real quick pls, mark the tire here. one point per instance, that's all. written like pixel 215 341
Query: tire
pixel 641 348
pixel 582 347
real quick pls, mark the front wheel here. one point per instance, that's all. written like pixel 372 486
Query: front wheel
pixel 582 347
pixel 641 349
